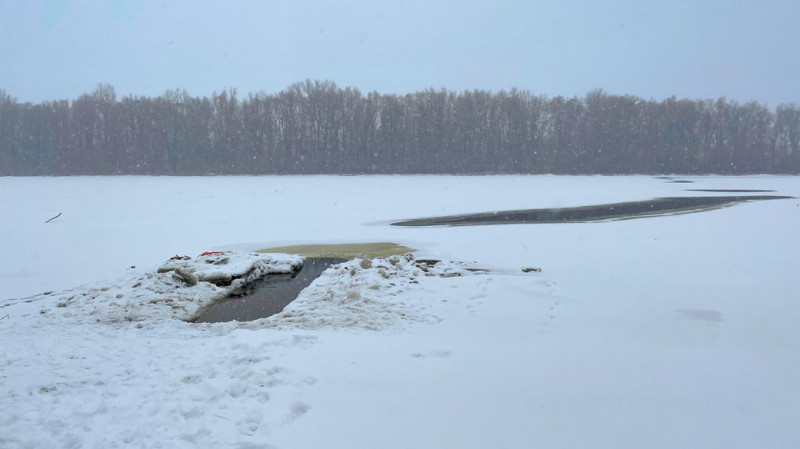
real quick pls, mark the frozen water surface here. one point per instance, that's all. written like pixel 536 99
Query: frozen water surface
pixel 665 332
pixel 266 296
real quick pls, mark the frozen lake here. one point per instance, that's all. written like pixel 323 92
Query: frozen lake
pixel 660 332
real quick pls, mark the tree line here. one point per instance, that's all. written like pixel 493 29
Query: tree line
pixel 317 127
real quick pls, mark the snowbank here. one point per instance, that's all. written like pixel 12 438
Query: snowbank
pixel 364 294
pixel 180 289
pixel 359 294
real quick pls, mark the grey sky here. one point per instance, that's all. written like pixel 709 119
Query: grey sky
pixel 744 50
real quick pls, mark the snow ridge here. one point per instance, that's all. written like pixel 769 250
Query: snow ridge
pixel 180 289
pixel 363 294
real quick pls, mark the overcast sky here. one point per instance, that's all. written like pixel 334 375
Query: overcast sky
pixel 743 50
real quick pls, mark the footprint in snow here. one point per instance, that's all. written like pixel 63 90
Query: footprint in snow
pixel 192 379
pixel 251 423
pixel 236 389
pixel 434 354
pixel 298 410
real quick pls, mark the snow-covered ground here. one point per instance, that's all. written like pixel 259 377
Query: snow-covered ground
pixel 677 331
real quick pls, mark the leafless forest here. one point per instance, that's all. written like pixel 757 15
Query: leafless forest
pixel 318 127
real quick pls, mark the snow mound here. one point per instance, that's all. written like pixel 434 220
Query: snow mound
pixel 180 289
pixel 371 294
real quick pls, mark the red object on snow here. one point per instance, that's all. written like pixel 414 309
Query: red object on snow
pixel 214 253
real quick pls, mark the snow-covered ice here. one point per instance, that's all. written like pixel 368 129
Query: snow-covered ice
pixel 675 331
